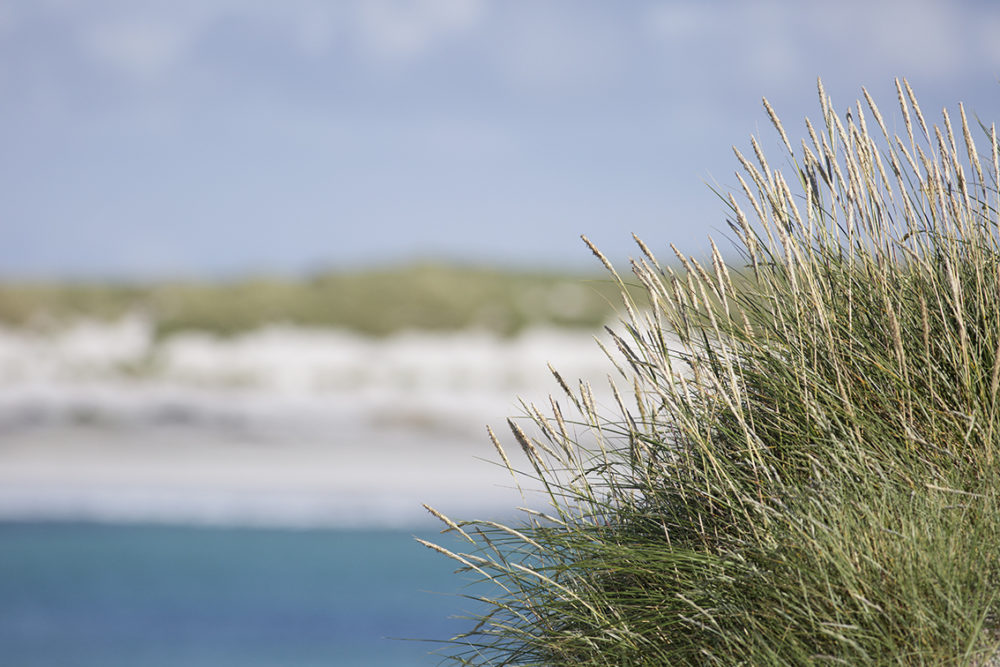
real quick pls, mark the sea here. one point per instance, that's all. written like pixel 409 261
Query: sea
pixel 104 595
pixel 253 501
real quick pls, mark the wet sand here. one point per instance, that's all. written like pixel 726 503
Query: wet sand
pixel 179 475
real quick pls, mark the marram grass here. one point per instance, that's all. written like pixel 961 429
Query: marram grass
pixel 801 464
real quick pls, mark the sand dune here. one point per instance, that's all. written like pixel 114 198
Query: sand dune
pixel 278 426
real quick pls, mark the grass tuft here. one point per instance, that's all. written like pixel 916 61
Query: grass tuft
pixel 801 465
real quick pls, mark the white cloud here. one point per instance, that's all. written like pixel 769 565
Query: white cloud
pixel 676 21
pixel 558 49
pixel 924 37
pixel 757 41
pixel 147 39
pixel 402 29
pixel 777 41
pixel 313 27
pixel 142 47
pixel 316 29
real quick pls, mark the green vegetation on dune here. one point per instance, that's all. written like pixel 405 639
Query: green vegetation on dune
pixel 802 463
pixel 379 302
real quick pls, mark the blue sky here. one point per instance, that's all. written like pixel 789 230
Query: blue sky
pixel 207 138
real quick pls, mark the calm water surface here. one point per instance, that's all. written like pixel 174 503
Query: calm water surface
pixel 75 594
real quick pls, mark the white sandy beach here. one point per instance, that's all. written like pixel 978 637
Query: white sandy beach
pixel 280 426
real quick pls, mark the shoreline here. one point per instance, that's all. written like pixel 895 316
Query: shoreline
pixel 279 427
pixel 74 473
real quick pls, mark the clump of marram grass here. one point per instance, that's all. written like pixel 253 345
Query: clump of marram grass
pixel 802 466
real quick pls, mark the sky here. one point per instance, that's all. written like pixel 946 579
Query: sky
pixel 148 139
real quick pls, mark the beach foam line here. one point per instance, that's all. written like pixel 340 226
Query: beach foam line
pixel 252 509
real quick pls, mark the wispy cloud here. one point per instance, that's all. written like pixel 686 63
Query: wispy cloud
pixel 141 46
pixel 771 41
pixel 146 39
pixel 553 47
pixel 400 30
pixel 163 129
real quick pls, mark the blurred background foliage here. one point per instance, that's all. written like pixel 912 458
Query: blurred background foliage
pixel 379 301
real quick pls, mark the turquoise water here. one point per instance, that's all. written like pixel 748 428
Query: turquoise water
pixel 156 596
